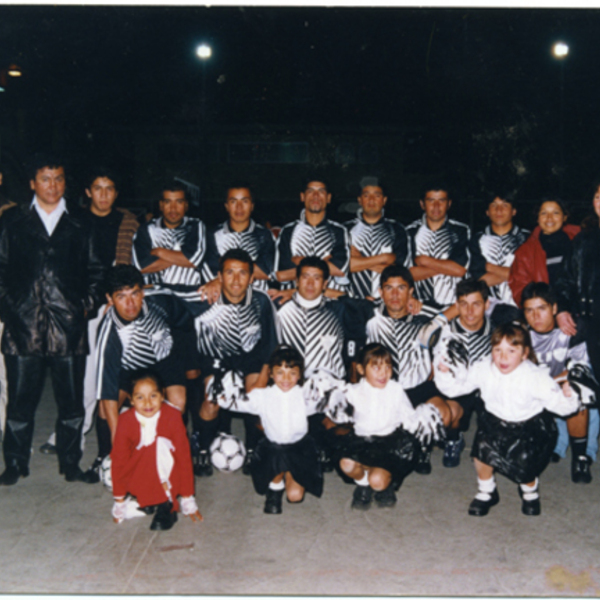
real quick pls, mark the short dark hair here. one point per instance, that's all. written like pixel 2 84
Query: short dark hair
pixel 552 198
pixel 316 177
pixel 472 286
pixel 171 185
pixel 236 254
pixel 120 277
pixel 141 374
pixel 286 356
pixel 102 171
pixel 313 261
pixel 516 334
pixel 538 289
pixel 436 186
pixel 374 352
pixel 373 181
pixel 508 195
pixel 397 270
pixel 240 185
pixel 41 160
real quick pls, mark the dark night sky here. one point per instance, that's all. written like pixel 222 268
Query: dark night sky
pixel 454 72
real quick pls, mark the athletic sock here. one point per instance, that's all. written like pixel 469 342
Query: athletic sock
pixel 364 480
pixel 207 431
pixel 225 420
pixel 193 400
pixel 452 435
pixel 530 492
pixel 277 487
pixel 486 488
pixel 103 435
pixel 578 446
pixel 253 433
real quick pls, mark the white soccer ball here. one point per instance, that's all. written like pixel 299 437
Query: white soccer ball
pixel 227 453
pixel 105 473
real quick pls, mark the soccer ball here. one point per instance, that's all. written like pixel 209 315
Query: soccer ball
pixel 227 453
pixel 105 473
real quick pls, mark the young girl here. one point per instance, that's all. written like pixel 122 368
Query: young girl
pixel 515 435
pixel 151 457
pixel 383 449
pixel 287 458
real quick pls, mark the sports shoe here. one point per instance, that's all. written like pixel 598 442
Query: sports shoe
pixel 555 458
pixel 362 496
pixel 48 448
pixel 273 502
pixel 325 461
pixel 480 508
pixel 202 466
pixel 247 466
pixel 93 473
pixel 386 498
pixel 580 469
pixel 164 518
pixel 452 451
pixel 423 466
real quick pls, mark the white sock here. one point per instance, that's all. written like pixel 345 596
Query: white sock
pixel 277 487
pixel 486 488
pixel 364 481
pixel 530 492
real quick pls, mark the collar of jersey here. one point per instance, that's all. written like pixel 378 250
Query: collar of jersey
pixel 424 221
pixel 298 300
pixel 120 323
pixel 249 229
pixel 384 313
pixel 359 214
pixel 484 330
pixel 490 231
pixel 303 220
pixel 224 302
pixel 160 223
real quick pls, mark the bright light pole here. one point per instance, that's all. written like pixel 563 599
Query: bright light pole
pixel 203 52
pixel 560 51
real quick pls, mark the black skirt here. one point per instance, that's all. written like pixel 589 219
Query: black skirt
pixel 301 459
pixel 519 451
pixel 396 453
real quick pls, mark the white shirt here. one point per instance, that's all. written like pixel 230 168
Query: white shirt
pixel 516 396
pixel 50 220
pixel 379 411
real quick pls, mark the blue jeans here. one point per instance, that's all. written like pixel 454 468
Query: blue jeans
pixel 562 443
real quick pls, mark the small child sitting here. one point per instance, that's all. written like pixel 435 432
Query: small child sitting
pixel 151 458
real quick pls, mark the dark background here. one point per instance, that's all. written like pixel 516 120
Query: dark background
pixel 471 96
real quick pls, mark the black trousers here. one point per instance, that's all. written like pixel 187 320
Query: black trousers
pixel 25 379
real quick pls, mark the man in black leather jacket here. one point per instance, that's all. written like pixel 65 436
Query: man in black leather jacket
pixel 49 284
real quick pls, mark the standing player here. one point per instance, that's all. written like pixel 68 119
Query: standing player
pixel 493 249
pixel 313 235
pixel 439 247
pixel 376 242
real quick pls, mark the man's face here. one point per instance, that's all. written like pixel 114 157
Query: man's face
pixel 235 279
pixel 540 314
pixel 500 212
pixel 395 293
pixel 103 194
pixel 173 207
pixel 315 197
pixel 311 283
pixel 239 205
pixel 436 205
pixel 372 201
pixel 127 302
pixel 471 311
pixel 49 185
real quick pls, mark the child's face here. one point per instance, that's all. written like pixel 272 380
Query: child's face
pixel 378 373
pixel 146 398
pixel 508 357
pixel 285 377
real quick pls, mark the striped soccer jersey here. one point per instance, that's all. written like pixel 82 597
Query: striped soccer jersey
pixel 477 342
pixel 385 236
pixel 449 242
pixel 301 239
pixel 257 241
pixel 552 349
pixel 488 247
pixel 189 238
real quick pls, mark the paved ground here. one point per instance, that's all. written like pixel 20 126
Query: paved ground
pixel 58 537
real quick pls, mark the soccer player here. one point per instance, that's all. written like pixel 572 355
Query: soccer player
pixel 313 235
pixel 439 247
pixel 375 242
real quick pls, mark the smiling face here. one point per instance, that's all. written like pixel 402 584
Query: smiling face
pixel 311 283
pixel 173 207
pixel 551 217
pixel 471 311
pixel 49 186
pixel 540 314
pixel 235 279
pixel 507 357
pixel 377 372
pixel 284 377
pixel 146 398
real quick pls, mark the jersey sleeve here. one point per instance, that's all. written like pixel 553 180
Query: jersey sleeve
pixel 401 246
pixel 283 250
pixel 142 248
pixel 108 360
pixel 460 250
pixel 266 254
pixel 340 253
pixel 210 266
pixel 194 247
pixel 477 267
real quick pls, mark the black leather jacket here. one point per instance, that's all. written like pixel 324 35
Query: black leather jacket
pixel 578 286
pixel 47 284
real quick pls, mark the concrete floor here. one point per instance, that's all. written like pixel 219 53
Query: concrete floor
pixel 58 537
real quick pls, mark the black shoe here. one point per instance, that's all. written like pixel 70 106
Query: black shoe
pixel 452 450
pixel 273 502
pixel 362 496
pixel 12 473
pixel 480 508
pixel 48 448
pixel 325 461
pixel 93 473
pixel 74 473
pixel 247 466
pixel 203 468
pixel 580 469
pixel 386 498
pixel 164 518
pixel 423 466
pixel 531 508
pixel 555 458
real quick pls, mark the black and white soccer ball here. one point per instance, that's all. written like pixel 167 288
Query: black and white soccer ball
pixel 105 472
pixel 227 453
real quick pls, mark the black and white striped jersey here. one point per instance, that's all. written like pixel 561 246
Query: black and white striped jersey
pixel 411 362
pixel 477 342
pixel 552 349
pixel 241 336
pixel 257 241
pixel 488 247
pixel 449 242
pixel 326 239
pixel 189 239
pixel 384 237
pixel 136 344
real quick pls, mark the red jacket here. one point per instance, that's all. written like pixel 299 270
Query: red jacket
pixel 530 262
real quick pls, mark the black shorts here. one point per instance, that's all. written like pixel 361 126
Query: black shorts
pixel 423 392
pixel 170 370
pixel 185 347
